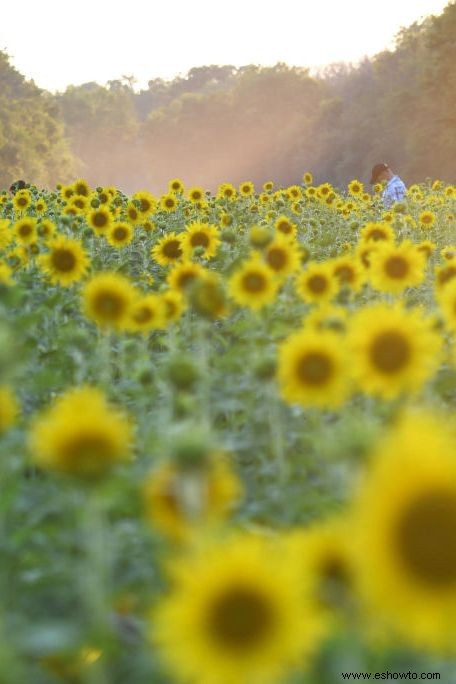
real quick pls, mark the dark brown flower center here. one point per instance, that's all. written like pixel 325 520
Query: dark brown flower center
pixel 314 368
pixel 389 352
pixel 63 260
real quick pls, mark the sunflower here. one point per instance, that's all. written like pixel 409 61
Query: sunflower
pixel 174 305
pixel 81 434
pixel 307 178
pixel 448 253
pixel 317 284
pixel 426 247
pixel 178 501
pixel 394 268
pixel 182 275
pixel 355 188
pixel 103 195
pixel 282 256
pixel 147 313
pixel 443 275
pixel 100 220
pixel 176 186
pixel 327 317
pixel 202 235
pixel 324 190
pixel 66 263
pixel 253 284
pixel 195 194
pixel 168 249
pixel 207 296
pixel 226 191
pixel 6 273
pixel 134 215
pixel 377 232
pixel 348 272
pixel 236 614
pixel 294 192
pixel 427 219
pixel 285 226
pixel 108 299
pixel 40 206
pixel 169 202
pixel 120 234
pixel 246 189
pixel 46 228
pixel 394 350
pixel 66 191
pixel 147 204
pixel 25 231
pixel 447 301
pixel 80 203
pixel 81 187
pixel 313 369
pixel 9 408
pixel 22 200
pixel 406 533
pixel 268 186
pixel 6 235
pixel 311 192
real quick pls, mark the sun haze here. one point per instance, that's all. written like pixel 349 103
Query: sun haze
pixel 103 40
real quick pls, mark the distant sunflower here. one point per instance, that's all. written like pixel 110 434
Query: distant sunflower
pixel 285 226
pixel 444 274
pixel 317 283
pixel 66 191
pixel 246 189
pixel 195 194
pixel 81 187
pixel 355 188
pixel 448 252
pixel 426 247
pixel 394 350
pixel 108 299
pixel 253 284
pixel 22 200
pixel 25 231
pixel 226 191
pixel 176 185
pixel 427 219
pixel 236 614
pixel 405 530
pixel 169 203
pixel 134 215
pixel 100 220
pixel 313 369
pixel 66 263
pixel 348 272
pixel 147 313
pixel 282 256
pixel 80 203
pixel 168 249
pixel 307 178
pixel 46 228
pixel 183 274
pixel 396 267
pixel 377 232
pixel 174 305
pixel 146 201
pixel 203 235
pixel 81 435
pixel 268 186
pixel 40 205
pixel 120 234
pixel 311 192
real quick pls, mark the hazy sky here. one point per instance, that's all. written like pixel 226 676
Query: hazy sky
pixel 58 43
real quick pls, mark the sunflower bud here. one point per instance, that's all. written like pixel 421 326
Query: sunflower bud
pixel 182 373
pixel 191 451
pixel 228 236
pixel 260 236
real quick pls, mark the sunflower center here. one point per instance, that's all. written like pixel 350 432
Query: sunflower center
pixel 241 618
pixel 284 227
pixel 25 230
pixel 100 219
pixel 254 282
pixel 169 202
pixel 199 239
pixel 145 205
pixel 143 314
pixel 396 267
pixel 376 234
pixel 108 304
pixel 314 368
pixel 171 249
pixel 88 451
pixel 276 258
pixel 63 260
pixel 317 284
pixel 446 274
pixel 185 279
pixel 390 352
pixel 426 537
pixel 345 274
pixel 22 201
pixel 120 234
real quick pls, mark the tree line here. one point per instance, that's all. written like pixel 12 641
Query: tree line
pixel 220 123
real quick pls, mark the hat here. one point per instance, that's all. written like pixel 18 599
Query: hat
pixel 376 171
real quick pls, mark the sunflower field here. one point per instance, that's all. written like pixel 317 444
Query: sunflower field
pixel 227 433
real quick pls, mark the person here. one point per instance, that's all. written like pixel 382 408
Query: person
pixel 17 185
pixel 395 188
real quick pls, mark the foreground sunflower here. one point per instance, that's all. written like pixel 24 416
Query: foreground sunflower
pixel 313 369
pixel 253 284
pixel 393 349
pixel 81 435
pixel 108 299
pixel 396 267
pixel 179 502
pixel 235 615
pixel 66 263
pixel 25 231
pixel 405 516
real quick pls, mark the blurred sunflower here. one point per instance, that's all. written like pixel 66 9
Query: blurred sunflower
pixel 253 284
pixel 396 267
pixel 198 234
pixel 22 200
pixel 120 234
pixel 427 219
pixel 146 201
pixel 108 299
pixel 182 275
pixel 282 256
pixel 285 226
pixel 348 272
pixel 100 220
pixel 168 249
pixel 176 185
pixel 147 313
pixel 169 203
pixel 317 283
pixel 81 187
pixel 246 189
pixel 195 194
pixel 66 263
pixel 25 231
pixel 9 408
pixel 377 232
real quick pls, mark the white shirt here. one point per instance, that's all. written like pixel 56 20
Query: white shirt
pixel 394 191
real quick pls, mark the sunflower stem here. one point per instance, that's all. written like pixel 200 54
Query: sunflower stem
pixel 277 434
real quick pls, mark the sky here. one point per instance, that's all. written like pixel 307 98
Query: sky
pixel 57 44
